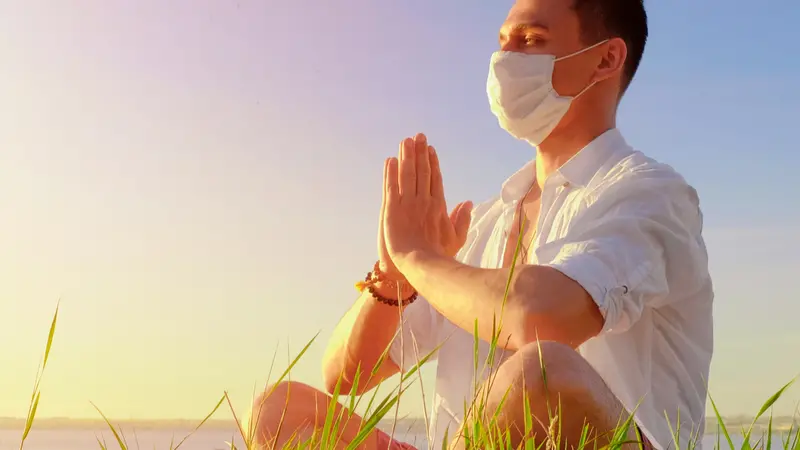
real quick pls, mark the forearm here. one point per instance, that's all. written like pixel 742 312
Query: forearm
pixel 360 339
pixel 536 302
pixel 464 294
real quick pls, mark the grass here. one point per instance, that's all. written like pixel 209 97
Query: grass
pixel 480 434
pixel 483 433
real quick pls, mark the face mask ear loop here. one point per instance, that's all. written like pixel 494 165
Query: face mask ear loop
pixel 578 53
pixel 582 51
pixel 584 90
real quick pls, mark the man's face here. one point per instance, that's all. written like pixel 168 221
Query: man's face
pixel 552 27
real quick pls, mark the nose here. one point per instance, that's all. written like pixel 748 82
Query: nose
pixel 507 46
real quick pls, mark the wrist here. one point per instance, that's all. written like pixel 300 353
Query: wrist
pixel 394 290
pixel 386 290
pixel 391 274
pixel 406 261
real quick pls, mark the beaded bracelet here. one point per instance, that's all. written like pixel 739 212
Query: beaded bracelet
pixel 377 276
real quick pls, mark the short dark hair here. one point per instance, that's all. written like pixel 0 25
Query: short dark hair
pixel 625 19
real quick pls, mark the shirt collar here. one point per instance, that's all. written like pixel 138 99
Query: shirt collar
pixel 578 170
pixel 520 183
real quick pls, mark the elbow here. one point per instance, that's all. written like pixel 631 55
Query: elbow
pixel 531 328
pixel 521 325
pixel 543 307
pixel 526 310
pixel 329 381
pixel 335 377
pixel 524 329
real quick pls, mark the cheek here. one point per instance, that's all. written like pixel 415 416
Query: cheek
pixel 570 77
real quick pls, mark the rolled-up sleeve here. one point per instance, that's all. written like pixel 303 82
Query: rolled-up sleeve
pixel 635 251
pixel 419 337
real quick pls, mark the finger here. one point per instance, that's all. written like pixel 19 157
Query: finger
pixel 437 188
pixel 422 155
pixel 392 183
pixel 385 182
pixel 454 213
pixel 385 191
pixel 381 243
pixel 461 218
pixel 407 168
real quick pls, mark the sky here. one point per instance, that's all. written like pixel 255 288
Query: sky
pixel 198 181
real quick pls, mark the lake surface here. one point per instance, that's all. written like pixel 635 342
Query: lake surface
pixel 160 439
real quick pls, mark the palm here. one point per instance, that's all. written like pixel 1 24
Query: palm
pixel 414 210
pixel 387 266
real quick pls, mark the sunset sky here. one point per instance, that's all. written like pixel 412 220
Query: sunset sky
pixel 198 181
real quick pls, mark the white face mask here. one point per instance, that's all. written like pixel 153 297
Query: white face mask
pixel 521 94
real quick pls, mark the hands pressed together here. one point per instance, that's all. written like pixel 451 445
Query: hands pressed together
pixel 414 214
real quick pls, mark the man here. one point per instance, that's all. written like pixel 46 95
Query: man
pixel 610 292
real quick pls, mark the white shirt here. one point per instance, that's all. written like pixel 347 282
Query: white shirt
pixel 628 229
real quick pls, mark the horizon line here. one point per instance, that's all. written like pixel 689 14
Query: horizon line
pixel 100 420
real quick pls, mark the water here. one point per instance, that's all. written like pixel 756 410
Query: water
pixel 83 439
pixel 202 440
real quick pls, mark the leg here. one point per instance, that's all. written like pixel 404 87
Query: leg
pixel 294 412
pixel 576 395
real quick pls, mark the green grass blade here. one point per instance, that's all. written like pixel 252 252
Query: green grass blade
pixel 29 420
pixel 585 437
pixel 543 370
pixel 774 398
pixel 248 437
pixel 354 388
pixel 767 405
pixel 208 416
pixel 676 439
pixel 35 395
pixel 254 420
pixel 769 434
pixel 329 422
pixel 122 435
pixel 295 361
pixel 50 336
pixel 117 436
pixel 372 422
pixel 528 420
pixel 475 352
pixel 721 424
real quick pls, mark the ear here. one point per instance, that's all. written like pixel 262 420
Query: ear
pixel 613 59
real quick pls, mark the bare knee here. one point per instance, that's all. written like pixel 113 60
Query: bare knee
pixel 551 377
pixel 291 413
pixel 277 395
pixel 550 367
pixel 556 381
pixel 289 396
pixel 289 403
pixel 544 367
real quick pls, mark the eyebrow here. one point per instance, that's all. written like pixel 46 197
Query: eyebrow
pixel 524 26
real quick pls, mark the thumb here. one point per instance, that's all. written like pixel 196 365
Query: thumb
pixel 461 218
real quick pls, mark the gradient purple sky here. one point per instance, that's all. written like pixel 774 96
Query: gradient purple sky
pixel 199 181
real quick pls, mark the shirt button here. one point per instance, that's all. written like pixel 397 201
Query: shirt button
pixel 565 185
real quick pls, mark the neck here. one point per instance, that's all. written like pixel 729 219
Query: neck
pixel 559 147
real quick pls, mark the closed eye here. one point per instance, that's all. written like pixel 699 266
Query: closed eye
pixel 534 40
pixel 523 36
